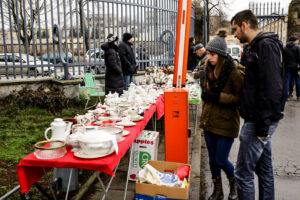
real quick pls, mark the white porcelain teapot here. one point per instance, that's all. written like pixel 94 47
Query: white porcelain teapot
pixel 60 129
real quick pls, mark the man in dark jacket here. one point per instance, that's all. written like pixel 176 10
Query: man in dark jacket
pixel 291 56
pixel 127 58
pixel 201 55
pixel 114 81
pixel 192 60
pixel 262 104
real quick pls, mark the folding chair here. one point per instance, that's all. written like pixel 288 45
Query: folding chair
pixel 93 90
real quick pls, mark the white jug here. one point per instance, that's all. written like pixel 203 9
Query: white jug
pixel 60 130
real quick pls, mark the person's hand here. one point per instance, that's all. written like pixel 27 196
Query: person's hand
pixel 261 130
pixel 196 70
pixel 210 96
pixel 261 138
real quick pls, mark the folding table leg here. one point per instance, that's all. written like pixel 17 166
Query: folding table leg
pixel 107 188
pixel 153 126
pixel 196 120
pixel 125 192
pixel 70 177
pixel 103 187
pixel 52 192
pixel 154 121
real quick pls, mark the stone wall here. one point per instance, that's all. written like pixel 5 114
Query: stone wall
pixel 70 87
pixel 294 19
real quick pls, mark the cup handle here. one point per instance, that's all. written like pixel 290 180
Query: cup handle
pixel 46 133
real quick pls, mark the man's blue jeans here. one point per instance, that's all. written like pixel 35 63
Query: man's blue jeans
pixel 291 78
pixel 218 150
pixel 255 156
pixel 127 80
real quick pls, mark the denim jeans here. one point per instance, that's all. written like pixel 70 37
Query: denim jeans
pixel 218 151
pixel 291 78
pixel 127 80
pixel 255 156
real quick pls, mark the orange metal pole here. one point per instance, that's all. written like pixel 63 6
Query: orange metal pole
pixel 182 42
pixel 176 100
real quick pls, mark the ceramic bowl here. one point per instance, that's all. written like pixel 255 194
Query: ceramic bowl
pixel 95 143
pixel 116 131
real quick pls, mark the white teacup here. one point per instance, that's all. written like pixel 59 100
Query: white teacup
pixel 78 129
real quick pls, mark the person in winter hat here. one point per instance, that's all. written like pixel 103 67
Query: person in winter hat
pixel 127 57
pixel 114 81
pixel 262 105
pixel 220 117
pixel 291 56
pixel 218 44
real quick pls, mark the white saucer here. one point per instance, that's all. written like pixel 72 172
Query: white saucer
pixel 80 154
pixel 125 123
pixel 138 118
pixel 125 133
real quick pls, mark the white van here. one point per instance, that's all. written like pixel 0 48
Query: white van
pixel 235 51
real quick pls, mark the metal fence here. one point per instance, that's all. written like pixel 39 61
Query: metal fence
pixel 29 46
pixel 271 18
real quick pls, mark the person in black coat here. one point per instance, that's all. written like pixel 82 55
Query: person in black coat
pixel 262 105
pixel 127 57
pixel 291 56
pixel 192 59
pixel 113 74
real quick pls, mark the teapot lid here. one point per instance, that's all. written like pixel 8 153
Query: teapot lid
pixel 58 119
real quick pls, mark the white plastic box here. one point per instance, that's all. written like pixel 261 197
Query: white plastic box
pixel 144 148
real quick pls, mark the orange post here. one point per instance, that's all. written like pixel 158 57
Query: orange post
pixel 176 100
pixel 182 42
pixel 176 125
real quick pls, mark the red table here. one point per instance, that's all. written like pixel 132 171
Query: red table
pixel 31 169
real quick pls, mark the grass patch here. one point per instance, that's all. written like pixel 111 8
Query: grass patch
pixel 20 129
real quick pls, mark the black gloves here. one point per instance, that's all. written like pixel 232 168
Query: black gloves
pixel 261 129
pixel 210 96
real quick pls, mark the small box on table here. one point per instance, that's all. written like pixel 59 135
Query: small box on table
pixel 145 148
pixel 146 191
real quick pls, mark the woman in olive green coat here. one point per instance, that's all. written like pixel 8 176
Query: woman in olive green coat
pixel 220 117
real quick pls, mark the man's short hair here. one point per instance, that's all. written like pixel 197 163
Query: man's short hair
pixel 245 16
pixel 292 38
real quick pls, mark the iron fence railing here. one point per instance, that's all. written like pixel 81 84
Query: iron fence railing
pixel 271 18
pixel 27 46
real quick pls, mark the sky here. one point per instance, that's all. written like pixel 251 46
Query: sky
pixel 238 5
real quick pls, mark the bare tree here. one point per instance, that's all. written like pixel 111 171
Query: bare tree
pixel 23 15
pixel 198 21
pixel 215 7
pixel 218 22
pixel 83 27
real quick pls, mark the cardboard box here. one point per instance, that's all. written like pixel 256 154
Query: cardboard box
pixel 144 148
pixel 146 191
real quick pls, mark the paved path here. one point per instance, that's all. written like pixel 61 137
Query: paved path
pixel 286 157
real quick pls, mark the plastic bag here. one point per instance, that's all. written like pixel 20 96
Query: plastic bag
pixel 182 172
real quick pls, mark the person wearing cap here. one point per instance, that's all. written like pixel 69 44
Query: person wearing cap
pixel 127 56
pixel 220 118
pixel 114 81
pixel 201 55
